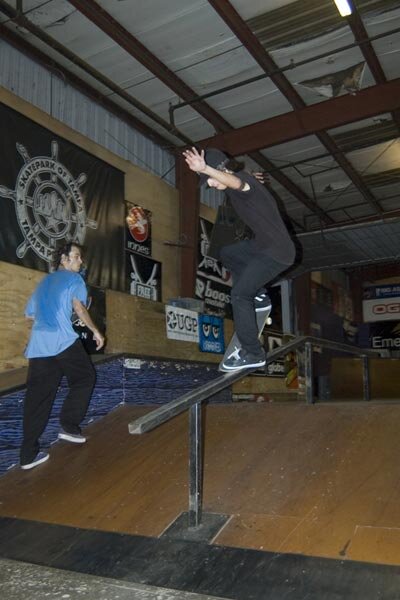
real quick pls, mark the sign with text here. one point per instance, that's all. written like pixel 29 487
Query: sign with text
pixel 381 309
pixel 273 340
pixel 385 336
pixel 381 291
pixel 213 281
pixel 138 230
pixel 211 334
pixel 381 303
pixel 144 277
pixel 182 324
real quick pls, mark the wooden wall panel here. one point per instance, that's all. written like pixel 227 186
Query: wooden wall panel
pixel 16 285
pixel 347 382
pixel 138 326
pixel 262 385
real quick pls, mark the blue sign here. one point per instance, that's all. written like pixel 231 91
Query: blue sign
pixel 381 291
pixel 211 334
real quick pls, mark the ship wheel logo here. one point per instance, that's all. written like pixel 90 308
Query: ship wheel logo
pixel 48 204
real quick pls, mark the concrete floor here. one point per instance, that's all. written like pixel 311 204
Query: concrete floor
pixel 21 581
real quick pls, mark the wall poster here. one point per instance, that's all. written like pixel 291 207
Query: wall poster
pixel 53 192
pixel 213 281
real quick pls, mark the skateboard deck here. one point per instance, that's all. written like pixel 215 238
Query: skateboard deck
pixel 234 345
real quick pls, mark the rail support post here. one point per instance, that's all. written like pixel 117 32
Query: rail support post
pixel 309 376
pixel 366 386
pixel 195 466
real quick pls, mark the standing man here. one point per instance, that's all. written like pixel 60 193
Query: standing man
pixel 54 350
pixel 253 263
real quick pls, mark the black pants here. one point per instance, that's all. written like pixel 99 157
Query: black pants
pixel 251 270
pixel 44 376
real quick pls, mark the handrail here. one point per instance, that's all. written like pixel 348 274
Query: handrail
pixel 175 407
pixel 192 401
pixel 166 412
pixel 338 346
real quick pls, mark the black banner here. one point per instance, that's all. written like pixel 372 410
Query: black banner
pixel 143 277
pixel 213 281
pixel 52 192
pixel 385 336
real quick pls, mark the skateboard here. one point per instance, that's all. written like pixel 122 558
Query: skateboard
pixel 234 346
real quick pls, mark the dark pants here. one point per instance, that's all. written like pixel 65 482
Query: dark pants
pixel 44 376
pixel 251 270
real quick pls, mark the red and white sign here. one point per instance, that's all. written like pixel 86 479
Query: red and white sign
pixel 138 224
pixel 381 309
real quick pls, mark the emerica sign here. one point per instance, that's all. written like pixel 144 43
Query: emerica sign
pixel 380 343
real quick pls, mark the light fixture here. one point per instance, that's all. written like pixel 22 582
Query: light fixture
pixel 344 7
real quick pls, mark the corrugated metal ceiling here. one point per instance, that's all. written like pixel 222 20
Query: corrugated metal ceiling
pixel 276 57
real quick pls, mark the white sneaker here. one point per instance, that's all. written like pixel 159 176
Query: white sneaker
pixel 75 438
pixel 243 360
pixel 262 302
pixel 40 458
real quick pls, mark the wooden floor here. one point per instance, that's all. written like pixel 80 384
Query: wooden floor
pixel 321 480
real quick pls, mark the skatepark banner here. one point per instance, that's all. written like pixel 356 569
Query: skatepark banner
pixel 143 276
pixel 182 324
pixel 213 281
pixel 211 334
pixel 53 192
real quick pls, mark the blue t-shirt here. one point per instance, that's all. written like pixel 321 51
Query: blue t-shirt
pixel 51 307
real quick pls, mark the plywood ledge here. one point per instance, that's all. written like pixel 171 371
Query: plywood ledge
pixel 137 326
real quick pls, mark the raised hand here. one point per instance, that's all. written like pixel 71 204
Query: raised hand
pixel 262 176
pixel 195 160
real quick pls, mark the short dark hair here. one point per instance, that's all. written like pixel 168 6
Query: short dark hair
pixel 61 251
pixel 219 160
pixel 234 165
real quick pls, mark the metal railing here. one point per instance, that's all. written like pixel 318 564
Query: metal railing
pixel 192 401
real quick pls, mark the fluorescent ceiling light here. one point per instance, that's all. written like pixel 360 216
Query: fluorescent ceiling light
pixel 344 7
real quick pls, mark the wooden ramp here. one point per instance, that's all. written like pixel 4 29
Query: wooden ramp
pixel 318 480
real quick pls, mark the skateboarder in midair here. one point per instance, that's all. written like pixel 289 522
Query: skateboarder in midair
pixel 253 263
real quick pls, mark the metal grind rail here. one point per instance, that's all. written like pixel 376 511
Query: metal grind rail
pixel 192 401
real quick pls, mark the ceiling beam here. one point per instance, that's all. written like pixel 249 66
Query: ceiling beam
pixel 310 120
pixel 384 218
pixel 252 44
pixel 361 36
pixel 373 273
pixel 137 50
pixel 234 21
pixel 104 21
pixel 348 168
